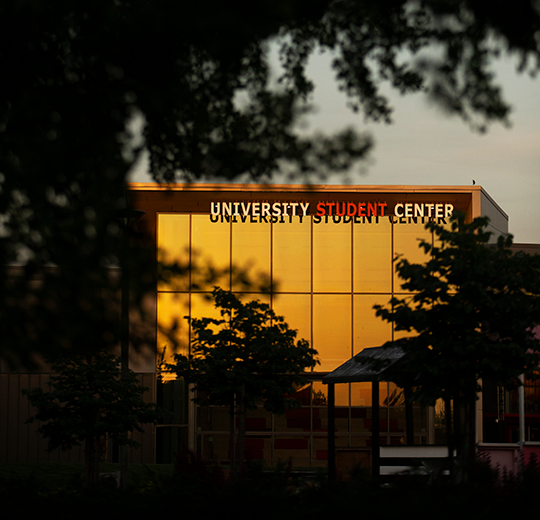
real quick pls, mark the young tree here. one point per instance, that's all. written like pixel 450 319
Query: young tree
pixel 87 401
pixel 472 308
pixel 248 357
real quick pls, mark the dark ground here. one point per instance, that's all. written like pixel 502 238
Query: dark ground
pixel 197 489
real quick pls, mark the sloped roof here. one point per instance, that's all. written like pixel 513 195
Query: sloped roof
pixel 372 364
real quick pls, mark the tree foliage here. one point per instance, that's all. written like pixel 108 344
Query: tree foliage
pixel 76 76
pixel 87 401
pixel 248 357
pixel 471 313
pixel 250 350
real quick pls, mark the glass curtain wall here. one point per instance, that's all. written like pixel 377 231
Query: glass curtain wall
pixel 501 412
pixel 326 274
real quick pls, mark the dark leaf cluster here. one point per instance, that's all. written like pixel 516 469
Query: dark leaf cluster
pixel 250 350
pixel 88 399
pixel 470 313
pixel 87 87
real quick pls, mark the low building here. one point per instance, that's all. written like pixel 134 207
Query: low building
pixel 327 253
pixel 321 256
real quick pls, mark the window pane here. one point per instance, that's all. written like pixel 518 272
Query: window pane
pixel 296 448
pixel 296 309
pixel 373 256
pixel 398 334
pixel 395 396
pixel 406 243
pixel 203 306
pixel 211 253
pixel 249 297
pixel 173 330
pixel 370 330
pixel 250 251
pixel 332 329
pixel 173 247
pixel 446 224
pixel 292 255
pixel 331 257
pixel 361 394
pixel 320 395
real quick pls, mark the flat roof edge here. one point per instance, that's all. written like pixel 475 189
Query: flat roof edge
pixel 154 186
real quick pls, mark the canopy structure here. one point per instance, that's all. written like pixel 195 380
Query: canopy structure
pixel 371 365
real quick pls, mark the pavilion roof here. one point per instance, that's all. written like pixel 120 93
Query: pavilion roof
pixel 372 364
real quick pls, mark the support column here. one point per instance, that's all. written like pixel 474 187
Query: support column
pixel 409 417
pixel 521 397
pixel 331 432
pixel 375 431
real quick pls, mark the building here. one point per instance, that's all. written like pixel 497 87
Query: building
pixel 321 256
pixel 327 252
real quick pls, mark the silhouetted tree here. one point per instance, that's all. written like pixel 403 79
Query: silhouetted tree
pixel 77 79
pixel 248 357
pixel 471 309
pixel 87 401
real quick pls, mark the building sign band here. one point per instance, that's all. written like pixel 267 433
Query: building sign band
pixel 276 211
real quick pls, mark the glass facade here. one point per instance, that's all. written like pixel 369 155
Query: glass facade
pixel 501 412
pixel 325 274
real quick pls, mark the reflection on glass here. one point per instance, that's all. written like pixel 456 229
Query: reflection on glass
pixel 302 394
pixel 407 239
pixel 398 334
pixel 210 242
pixel 293 420
pixel 439 424
pixel 342 394
pixel 173 330
pixel 332 257
pixel 394 396
pixel 292 255
pixel 373 256
pixel 320 452
pixel 251 249
pixel 361 394
pixel 332 329
pixel 296 448
pixel 173 247
pixel 396 425
pixel 203 306
pixel 369 329
pixel 296 309
pixel 258 420
pixel 346 258
pixel 319 394
pixel 249 297
pixel 446 225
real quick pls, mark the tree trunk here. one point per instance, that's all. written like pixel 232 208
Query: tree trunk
pixel 471 433
pixel 232 436
pixel 240 455
pixel 91 449
pixel 458 433
pixel 449 437
pixel 91 461
pixel 409 416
